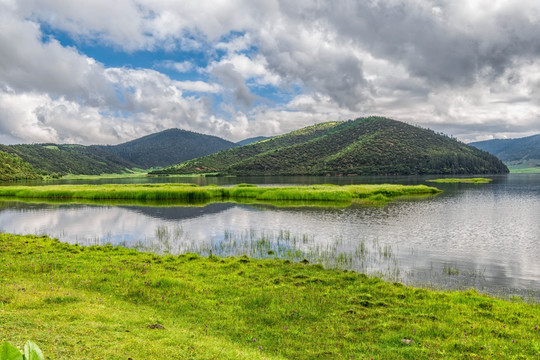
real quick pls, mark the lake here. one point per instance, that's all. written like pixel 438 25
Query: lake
pixel 485 236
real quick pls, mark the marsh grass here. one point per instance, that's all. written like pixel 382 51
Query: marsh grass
pixel 366 256
pixel 104 302
pixel 194 193
pixel 461 180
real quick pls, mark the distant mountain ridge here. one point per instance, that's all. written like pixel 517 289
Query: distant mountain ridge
pixel 520 149
pixel 365 146
pixel 167 147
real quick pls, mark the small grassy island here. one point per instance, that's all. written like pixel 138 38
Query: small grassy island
pixel 116 303
pixel 462 180
pixel 192 192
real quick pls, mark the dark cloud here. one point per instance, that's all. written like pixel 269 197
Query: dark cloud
pixel 232 80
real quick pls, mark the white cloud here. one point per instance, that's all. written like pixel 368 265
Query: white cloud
pixel 465 68
pixel 181 67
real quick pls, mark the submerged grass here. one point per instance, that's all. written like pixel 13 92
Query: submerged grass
pixel 462 180
pixel 116 303
pixel 192 192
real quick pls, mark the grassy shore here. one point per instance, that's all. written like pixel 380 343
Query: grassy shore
pixel 117 303
pixel 135 174
pixel 462 180
pixel 530 170
pixel 192 192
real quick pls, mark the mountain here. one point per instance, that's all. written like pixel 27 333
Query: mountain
pixel 68 159
pixel 251 140
pixel 365 146
pixel 522 150
pixel 161 149
pixel 13 167
pixel 167 148
pixel 220 161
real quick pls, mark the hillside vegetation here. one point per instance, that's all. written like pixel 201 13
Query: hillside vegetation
pixel 14 168
pixel 69 159
pixel 167 148
pixel 161 149
pixel 365 146
pixel 224 159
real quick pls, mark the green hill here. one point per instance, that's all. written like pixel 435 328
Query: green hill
pixel 167 148
pixel 68 159
pixel 517 153
pixel 161 149
pixel 13 168
pixel 365 146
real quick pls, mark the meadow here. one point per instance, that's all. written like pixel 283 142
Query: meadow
pixel 116 303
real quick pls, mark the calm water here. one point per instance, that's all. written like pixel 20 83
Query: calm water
pixel 484 236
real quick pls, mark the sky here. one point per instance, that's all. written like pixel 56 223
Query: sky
pixel 106 72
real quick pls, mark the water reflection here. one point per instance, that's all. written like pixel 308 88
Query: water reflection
pixel 483 236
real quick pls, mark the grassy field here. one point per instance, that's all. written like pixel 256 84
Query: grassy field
pixel 461 180
pixel 531 170
pixel 117 303
pixel 191 192
pixel 127 175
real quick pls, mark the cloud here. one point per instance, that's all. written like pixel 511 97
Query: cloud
pixel 232 79
pixel 255 69
pixel 28 64
pixel 266 67
pixel 181 67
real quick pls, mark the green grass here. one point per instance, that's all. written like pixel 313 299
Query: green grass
pixel 191 192
pixel 135 174
pixel 117 303
pixel 462 180
pixel 530 170
pixel 527 166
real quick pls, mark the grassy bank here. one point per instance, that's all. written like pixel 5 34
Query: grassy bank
pixel 462 180
pixel 127 175
pixel 115 303
pixel 191 192
pixel 530 170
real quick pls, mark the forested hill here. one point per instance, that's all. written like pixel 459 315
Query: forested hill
pixel 365 146
pixel 161 149
pixel 167 148
pixel 49 159
pixel 521 149
pixel 223 160
pixel 14 168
